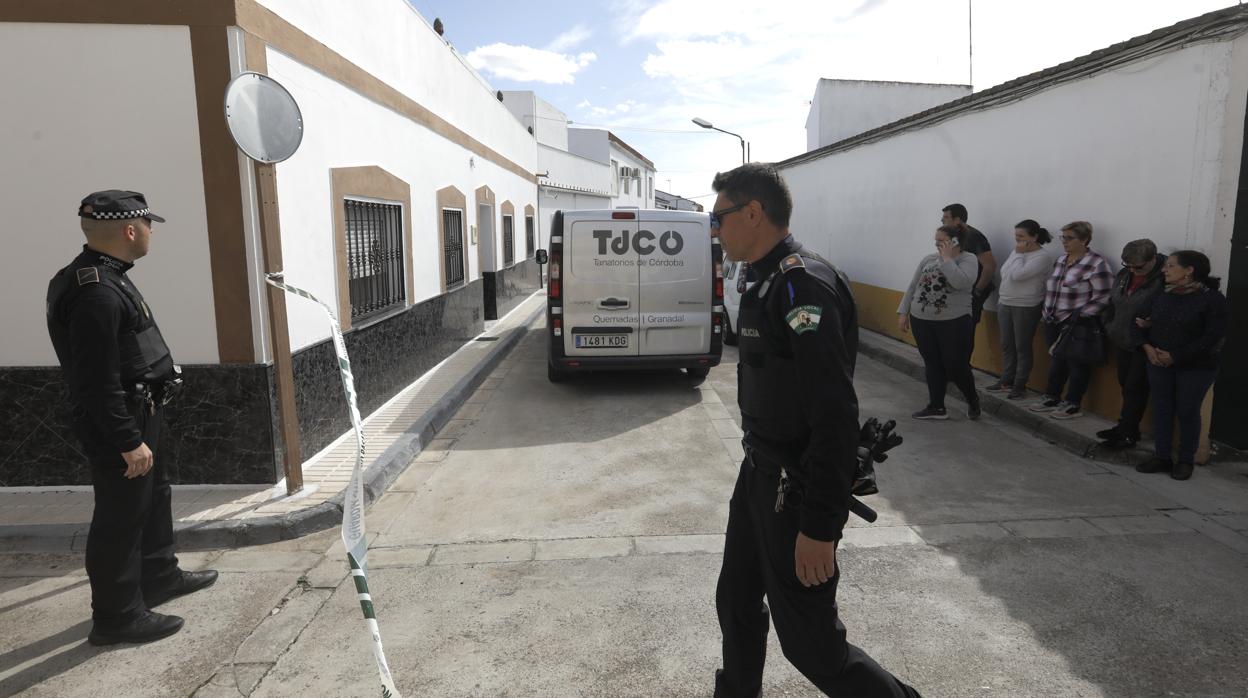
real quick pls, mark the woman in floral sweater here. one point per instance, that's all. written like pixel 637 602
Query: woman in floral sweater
pixel 937 308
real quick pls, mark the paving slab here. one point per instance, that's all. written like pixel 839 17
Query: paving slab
pixel 475 553
pixel 666 545
pixel 1052 528
pixel 582 548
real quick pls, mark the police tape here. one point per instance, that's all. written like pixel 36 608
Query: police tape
pixel 353 504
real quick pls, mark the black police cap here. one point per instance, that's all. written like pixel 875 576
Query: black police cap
pixel 115 204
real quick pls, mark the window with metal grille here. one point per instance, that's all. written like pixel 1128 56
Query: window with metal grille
pixel 375 275
pixel 509 241
pixel 453 246
pixel 528 236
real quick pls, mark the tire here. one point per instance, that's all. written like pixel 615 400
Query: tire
pixel 555 375
pixel 699 372
pixel 730 337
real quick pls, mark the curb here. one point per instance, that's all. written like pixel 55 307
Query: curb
pixel 905 359
pixel 377 476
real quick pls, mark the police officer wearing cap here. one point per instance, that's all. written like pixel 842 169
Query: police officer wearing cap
pixel 798 343
pixel 120 374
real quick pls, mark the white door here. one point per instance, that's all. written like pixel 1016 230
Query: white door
pixel 485 237
pixel 677 283
pixel 600 296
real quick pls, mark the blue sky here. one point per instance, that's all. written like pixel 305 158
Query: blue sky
pixel 645 68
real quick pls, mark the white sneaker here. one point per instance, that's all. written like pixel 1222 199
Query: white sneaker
pixel 1046 404
pixel 1067 410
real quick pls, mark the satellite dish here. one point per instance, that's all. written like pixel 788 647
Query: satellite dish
pixel 263 118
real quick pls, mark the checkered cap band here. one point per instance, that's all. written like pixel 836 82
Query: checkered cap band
pixel 107 215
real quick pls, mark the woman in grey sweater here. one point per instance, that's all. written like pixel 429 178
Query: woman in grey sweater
pixel 1019 303
pixel 937 308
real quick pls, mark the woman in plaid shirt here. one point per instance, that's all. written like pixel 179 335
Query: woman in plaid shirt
pixel 1080 283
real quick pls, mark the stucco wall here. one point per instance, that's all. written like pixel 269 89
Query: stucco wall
pixel 109 107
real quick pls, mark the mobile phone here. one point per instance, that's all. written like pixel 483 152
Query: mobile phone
pixel 954 241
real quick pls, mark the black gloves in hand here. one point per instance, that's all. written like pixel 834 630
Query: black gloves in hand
pixel 874 440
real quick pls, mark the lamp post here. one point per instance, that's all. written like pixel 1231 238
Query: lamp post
pixel 706 124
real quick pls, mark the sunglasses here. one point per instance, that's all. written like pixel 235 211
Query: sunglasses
pixel 718 216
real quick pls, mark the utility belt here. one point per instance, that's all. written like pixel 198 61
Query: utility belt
pixel 150 393
pixel 790 490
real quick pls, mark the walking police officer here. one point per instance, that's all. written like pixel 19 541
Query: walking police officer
pixel 120 373
pixel 798 343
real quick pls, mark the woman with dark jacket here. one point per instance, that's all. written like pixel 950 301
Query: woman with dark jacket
pixel 1134 287
pixel 1182 332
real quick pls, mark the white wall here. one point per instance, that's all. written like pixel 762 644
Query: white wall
pixel 573 171
pixel 1140 151
pixel 344 129
pixel 844 108
pixel 638 193
pixel 589 143
pixel 68 130
pixel 551 200
pixel 390 40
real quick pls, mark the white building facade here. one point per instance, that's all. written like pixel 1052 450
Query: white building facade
pixel 410 207
pixel 580 168
pixel 841 109
pixel 1087 140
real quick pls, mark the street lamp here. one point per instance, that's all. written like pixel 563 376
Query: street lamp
pixel 706 124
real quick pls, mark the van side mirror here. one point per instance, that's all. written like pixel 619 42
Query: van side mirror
pixel 541 257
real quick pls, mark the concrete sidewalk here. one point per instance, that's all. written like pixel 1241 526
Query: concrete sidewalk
pixel 218 516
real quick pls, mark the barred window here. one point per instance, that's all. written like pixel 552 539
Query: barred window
pixel 528 236
pixel 375 274
pixel 509 241
pixel 453 246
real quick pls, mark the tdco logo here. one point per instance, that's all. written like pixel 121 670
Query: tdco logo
pixel 642 243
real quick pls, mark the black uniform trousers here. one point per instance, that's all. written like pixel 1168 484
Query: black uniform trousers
pixel 758 562
pixel 1133 378
pixel 130 546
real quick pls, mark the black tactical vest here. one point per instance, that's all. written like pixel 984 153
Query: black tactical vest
pixel 768 372
pixel 144 355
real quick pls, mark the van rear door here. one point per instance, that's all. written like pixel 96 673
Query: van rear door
pixel 677 283
pixel 600 294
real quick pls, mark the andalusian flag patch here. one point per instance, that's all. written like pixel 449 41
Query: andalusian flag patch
pixel 804 318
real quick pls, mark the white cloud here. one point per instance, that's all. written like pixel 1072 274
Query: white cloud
pixel 620 108
pixel 570 39
pixel 528 64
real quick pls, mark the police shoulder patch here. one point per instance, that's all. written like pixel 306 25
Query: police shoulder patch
pixel 793 261
pixel 88 275
pixel 804 318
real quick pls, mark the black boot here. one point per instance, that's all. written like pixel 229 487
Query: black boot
pixel 1156 464
pixel 148 627
pixel 1181 471
pixel 188 582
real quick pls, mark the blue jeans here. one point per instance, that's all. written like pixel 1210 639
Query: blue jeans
pixel 1060 370
pixel 1181 391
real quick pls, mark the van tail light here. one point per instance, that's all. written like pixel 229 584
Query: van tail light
pixel 556 264
pixel 556 326
pixel 719 289
pixel 554 289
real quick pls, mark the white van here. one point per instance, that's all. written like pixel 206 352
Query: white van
pixel 634 288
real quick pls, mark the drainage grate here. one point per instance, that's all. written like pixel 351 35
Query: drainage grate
pixel 486 339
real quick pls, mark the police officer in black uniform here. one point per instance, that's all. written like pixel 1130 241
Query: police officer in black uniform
pixel 798 342
pixel 120 374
